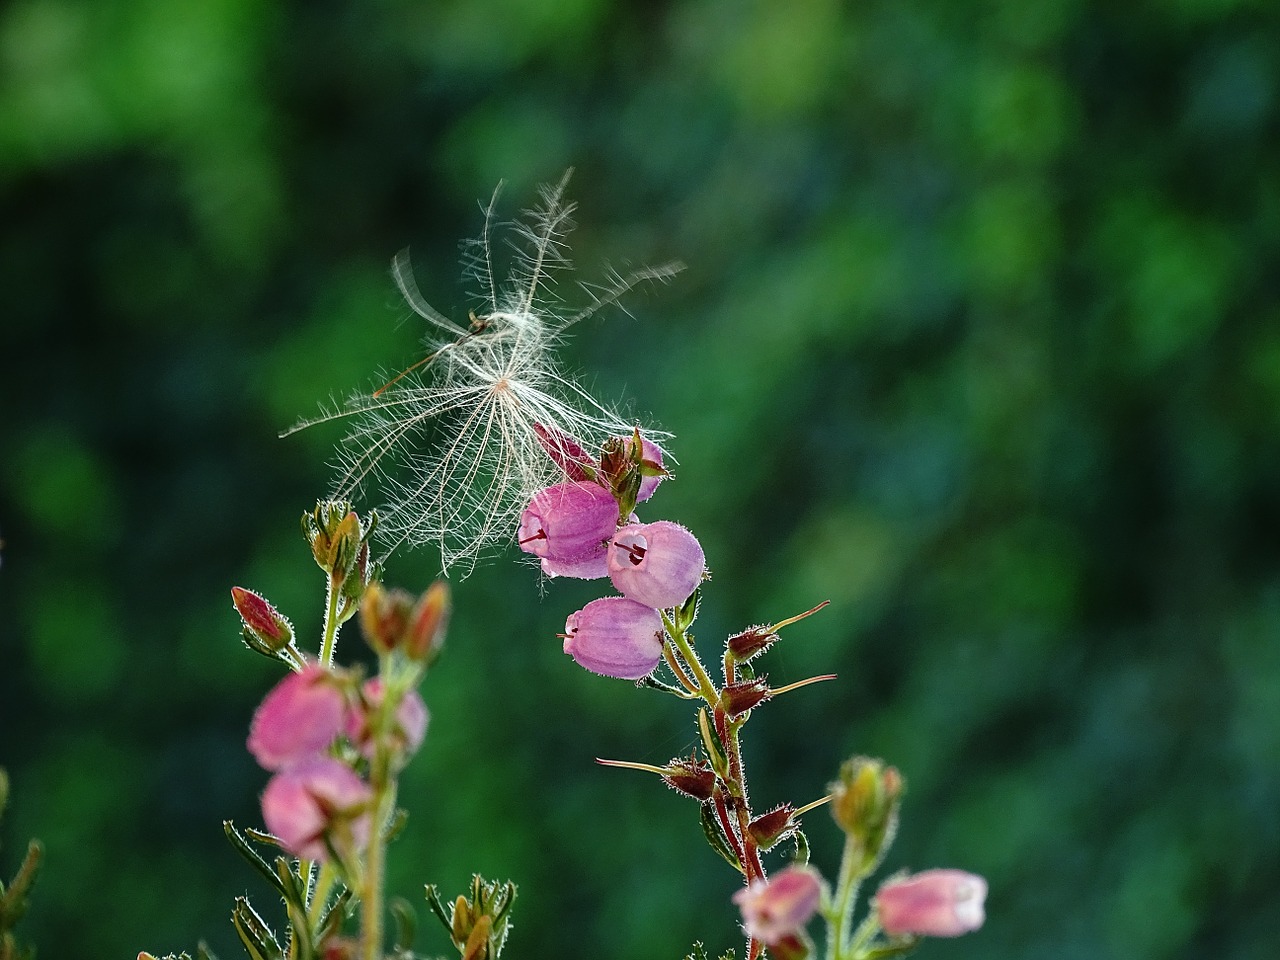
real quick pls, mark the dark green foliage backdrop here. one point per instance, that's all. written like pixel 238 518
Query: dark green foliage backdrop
pixel 979 340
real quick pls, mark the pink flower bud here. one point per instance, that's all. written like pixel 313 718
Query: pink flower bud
pixel 935 903
pixel 298 719
pixel 568 526
pixel 261 619
pixel 775 909
pixel 658 564
pixel 615 637
pixel 410 721
pixel 565 451
pixel 317 797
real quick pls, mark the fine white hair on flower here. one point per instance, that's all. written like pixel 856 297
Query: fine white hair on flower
pixel 450 444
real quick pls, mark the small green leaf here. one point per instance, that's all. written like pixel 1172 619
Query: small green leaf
pixel 252 856
pixel 715 836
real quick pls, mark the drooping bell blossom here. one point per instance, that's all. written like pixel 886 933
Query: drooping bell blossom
pixel 568 526
pixel 659 564
pixel 935 903
pixel 298 719
pixel 781 906
pixel 317 797
pixel 615 637
pixel 410 721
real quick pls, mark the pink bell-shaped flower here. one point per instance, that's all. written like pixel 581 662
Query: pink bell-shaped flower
pixel 781 906
pixel 615 637
pixel 568 527
pixel 935 903
pixel 298 718
pixel 659 564
pixel 317 797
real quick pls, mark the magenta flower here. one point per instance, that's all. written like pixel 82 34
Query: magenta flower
pixel 615 637
pixel 410 721
pixel 780 907
pixel 317 797
pixel 568 526
pixel 298 718
pixel 935 903
pixel 657 564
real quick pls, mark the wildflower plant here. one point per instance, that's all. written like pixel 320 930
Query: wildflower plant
pixel 498 444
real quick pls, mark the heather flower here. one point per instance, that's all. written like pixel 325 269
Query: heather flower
pixel 615 637
pixel 298 719
pixel 410 720
pixel 780 907
pixel 935 903
pixel 463 423
pixel 657 564
pixel 317 797
pixel 568 526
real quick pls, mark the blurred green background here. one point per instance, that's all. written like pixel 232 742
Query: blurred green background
pixel 979 339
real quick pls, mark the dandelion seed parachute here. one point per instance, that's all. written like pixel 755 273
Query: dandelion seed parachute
pixel 450 445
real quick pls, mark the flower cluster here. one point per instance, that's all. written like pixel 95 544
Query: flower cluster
pixel 585 527
pixel 312 731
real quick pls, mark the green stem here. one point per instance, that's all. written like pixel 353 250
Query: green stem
pixel 329 642
pixel 838 924
pixel 706 688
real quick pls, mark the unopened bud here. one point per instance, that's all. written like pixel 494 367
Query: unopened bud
pixel 754 640
pixel 692 778
pixel 425 634
pixel 463 921
pixel 864 802
pixel 738 698
pixel 385 616
pixel 477 945
pixel 339 544
pixel 263 623
pixel 770 828
pixel 565 452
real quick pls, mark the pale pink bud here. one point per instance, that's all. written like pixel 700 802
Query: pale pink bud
pixel 658 564
pixel 568 526
pixel 298 719
pixel 781 906
pixel 935 903
pixel 410 721
pixel 317 797
pixel 615 637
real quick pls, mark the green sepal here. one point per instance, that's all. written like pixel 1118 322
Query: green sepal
pixel 699 952
pixel 332 920
pixel 397 824
pixel 716 754
pixel 801 856
pixel 258 940
pixel 687 612
pixel 251 855
pixel 204 953
pixel 433 901
pixel 13 899
pixel 406 922
pixel 715 836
